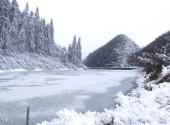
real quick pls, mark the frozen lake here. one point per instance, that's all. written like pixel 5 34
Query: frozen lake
pixel 48 92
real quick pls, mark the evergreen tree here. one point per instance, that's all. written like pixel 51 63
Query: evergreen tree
pixel 74 42
pixel 37 31
pixel 79 53
pixel 70 53
pixel 50 37
pixel 30 33
pixel 21 40
pixel 64 56
pixel 26 10
pixel 4 24
pixel 47 40
pixel 74 50
pixel 15 24
pixel 26 19
pixel 14 13
pixel 37 16
pixel 52 30
pixel 42 36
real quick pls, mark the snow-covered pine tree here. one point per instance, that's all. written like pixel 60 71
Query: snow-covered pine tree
pixel 30 33
pixel 21 40
pixel 52 30
pixel 37 27
pixel 14 14
pixel 37 16
pixel 25 25
pixel 15 25
pixel 74 50
pixel 52 48
pixel 42 36
pixel 79 53
pixel 47 39
pixel 64 55
pixel 4 24
pixel 70 53
pixel 25 13
pixel 45 47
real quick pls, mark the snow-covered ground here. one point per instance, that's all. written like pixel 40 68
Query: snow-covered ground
pixel 31 61
pixel 140 107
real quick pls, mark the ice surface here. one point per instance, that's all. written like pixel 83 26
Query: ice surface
pixel 140 107
pixel 38 84
pixel 49 92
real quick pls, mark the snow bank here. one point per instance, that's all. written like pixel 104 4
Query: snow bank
pixel 37 70
pixel 71 117
pixel 31 61
pixel 144 107
pixel 140 107
pixel 13 70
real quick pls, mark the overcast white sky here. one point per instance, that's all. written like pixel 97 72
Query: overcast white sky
pixel 98 21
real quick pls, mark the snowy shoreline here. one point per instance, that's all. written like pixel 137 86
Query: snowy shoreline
pixel 39 70
pixel 34 62
pixel 140 106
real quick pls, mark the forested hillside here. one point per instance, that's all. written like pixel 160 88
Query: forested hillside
pixel 154 56
pixel 113 54
pixel 160 47
pixel 26 32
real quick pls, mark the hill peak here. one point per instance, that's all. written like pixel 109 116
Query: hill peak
pixel 113 54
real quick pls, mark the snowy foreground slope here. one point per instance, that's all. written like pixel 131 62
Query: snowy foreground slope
pixel 140 107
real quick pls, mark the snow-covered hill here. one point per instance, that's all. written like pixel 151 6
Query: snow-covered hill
pixel 114 54
pixel 160 47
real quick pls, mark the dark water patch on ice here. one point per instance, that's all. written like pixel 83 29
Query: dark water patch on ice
pixel 99 102
pixel 5 79
pixel 3 89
